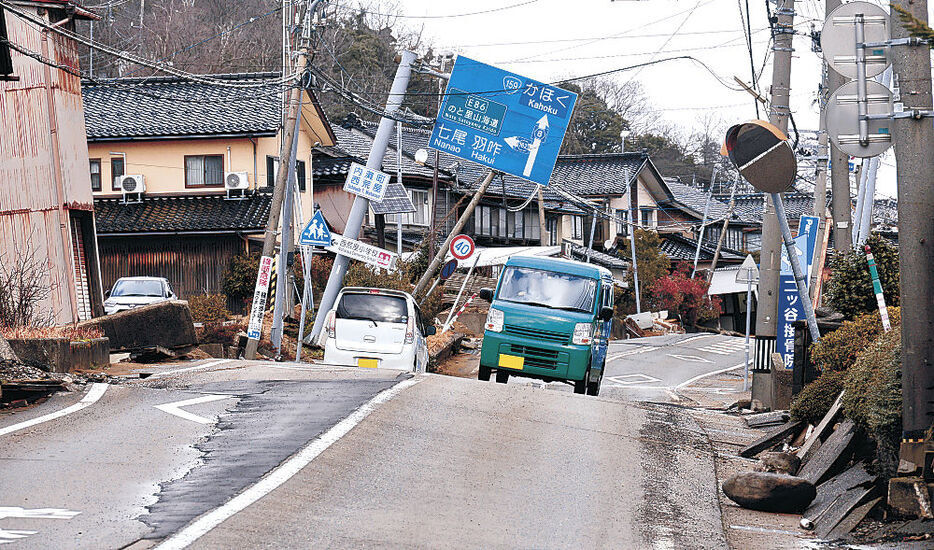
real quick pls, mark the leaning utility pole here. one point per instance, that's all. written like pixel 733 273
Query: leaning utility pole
pixel 544 239
pixel 914 159
pixel 770 259
pixel 278 194
pixel 360 204
pixel 840 205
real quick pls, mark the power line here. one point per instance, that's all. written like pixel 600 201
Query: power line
pixel 448 16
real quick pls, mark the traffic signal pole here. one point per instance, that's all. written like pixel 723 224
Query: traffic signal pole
pixel 914 157
pixel 360 204
pixel 770 258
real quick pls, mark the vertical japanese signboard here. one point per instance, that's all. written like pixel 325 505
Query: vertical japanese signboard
pixel 502 120
pixel 259 298
pixel 789 303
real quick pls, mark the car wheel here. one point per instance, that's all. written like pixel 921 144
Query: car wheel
pixel 580 386
pixel 484 374
pixel 593 388
pixel 502 376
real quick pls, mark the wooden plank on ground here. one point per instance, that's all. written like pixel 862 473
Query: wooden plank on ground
pixel 850 522
pixel 832 455
pixel 822 431
pixel 767 419
pixel 841 507
pixel 829 490
pixel 770 439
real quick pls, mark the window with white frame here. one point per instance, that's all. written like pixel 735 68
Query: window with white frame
pixel 577 227
pixel 422 214
pixel 204 170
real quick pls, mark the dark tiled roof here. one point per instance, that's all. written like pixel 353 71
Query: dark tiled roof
pixel 578 252
pixel 749 207
pixel 692 201
pixel 331 166
pixel 603 174
pixel 680 248
pixel 185 214
pixel 169 107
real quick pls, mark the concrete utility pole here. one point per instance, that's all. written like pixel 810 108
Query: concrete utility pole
pixel 914 156
pixel 839 169
pixel 543 232
pixel 461 222
pixel 820 186
pixel 360 204
pixel 770 259
pixel 278 193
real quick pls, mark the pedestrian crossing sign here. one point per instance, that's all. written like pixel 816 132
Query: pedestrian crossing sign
pixel 316 233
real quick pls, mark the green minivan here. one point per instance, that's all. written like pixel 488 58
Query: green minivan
pixel 549 319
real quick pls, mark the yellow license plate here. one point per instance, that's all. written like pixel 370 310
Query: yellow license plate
pixel 368 363
pixel 511 361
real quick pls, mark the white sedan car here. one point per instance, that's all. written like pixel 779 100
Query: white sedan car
pixel 132 292
pixel 376 327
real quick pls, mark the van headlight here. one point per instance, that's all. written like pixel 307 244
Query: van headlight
pixel 583 334
pixel 494 320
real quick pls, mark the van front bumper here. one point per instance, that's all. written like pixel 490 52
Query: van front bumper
pixel 539 359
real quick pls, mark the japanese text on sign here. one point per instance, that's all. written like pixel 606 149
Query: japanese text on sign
pixel 259 298
pixel 363 252
pixel 365 182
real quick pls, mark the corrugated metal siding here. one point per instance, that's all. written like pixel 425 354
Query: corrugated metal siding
pixel 193 265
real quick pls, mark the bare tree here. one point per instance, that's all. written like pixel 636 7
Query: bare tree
pixel 25 283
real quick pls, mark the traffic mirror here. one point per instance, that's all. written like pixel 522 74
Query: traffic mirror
pixel 761 153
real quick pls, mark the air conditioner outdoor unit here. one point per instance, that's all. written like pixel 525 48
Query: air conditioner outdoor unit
pixel 236 180
pixel 133 184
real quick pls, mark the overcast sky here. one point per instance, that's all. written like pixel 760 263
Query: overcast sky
pixel 553 39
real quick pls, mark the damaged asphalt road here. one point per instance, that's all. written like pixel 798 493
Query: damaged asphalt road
pixel 442 463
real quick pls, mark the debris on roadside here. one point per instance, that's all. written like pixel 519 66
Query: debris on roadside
pixel 22 385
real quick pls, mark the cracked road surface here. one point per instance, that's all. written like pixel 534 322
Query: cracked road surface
pixel 429 461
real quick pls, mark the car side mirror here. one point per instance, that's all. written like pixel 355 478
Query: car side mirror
pixel 430 331
pixel 107 293
pixel 606 313
pixel 486 294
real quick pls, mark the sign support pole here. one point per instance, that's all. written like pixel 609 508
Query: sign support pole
pixel 360 204
pixel 796 267
pixel 307 258
pixel 461 292
pixel 461 222
pixel 748 323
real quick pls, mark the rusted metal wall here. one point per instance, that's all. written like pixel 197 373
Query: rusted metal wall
pixel 43 160
pixel 193 265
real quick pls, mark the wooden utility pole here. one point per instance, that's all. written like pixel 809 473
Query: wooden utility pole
pixel 914 157
pixel 770 259
pixel 278 193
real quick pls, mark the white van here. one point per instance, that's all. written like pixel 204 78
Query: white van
pixel 376 327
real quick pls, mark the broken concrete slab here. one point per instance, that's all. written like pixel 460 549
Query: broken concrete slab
pixel 6 352
pixel 832 456
pixel 770 492
pixel 762 420
pixel 822 431
pixel 166 324
pixel 771 439
pixel 910 497
pixel 62 354
pixel 779 463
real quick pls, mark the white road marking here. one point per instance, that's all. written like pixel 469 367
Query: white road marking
pixel 642 349
pixel 282 473
pixel 630 379
pixel 8 536
pixel 705 375
pixel 91 397
pixel 764 530
pixel 698 337
pixel 176 408
pixel 725 348
pixel 690 358
pixel 207 365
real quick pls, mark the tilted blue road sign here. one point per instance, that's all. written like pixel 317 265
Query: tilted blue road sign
pixel 502 120
pixel 316 233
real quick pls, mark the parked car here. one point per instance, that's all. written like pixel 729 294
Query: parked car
pixel 131 292
pixel 376 327
pixel 550 319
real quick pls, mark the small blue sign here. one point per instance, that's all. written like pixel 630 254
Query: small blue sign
pixel 316 233
pixel 790 308
pixel 502 120
pixel 448 269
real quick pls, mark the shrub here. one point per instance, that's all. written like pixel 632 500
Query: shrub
pixel 849 290
pixel 873 398
pixel 839 349
pixel 239 278
pixel 653 265
pixel 815 399
pixel 74 333
pixel 208 308
pixel 216 333
pixel 684 296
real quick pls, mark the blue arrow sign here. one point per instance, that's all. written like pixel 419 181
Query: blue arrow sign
pixel 316 233
pixel 502 120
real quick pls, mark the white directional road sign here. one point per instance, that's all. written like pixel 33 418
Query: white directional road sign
pixel 363 252
pixel 316 233
pixel 367 183
pixel 502 120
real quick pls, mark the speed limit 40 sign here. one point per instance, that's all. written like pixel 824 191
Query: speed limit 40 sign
pixel 462 247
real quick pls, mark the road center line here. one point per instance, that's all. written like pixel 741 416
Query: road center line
pixel 631 352
pixel 705 375
pixel 282 473
pixel 207 365
pixel 91 397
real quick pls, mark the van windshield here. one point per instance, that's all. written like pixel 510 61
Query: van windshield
pixel 525 285
pixel 373 307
